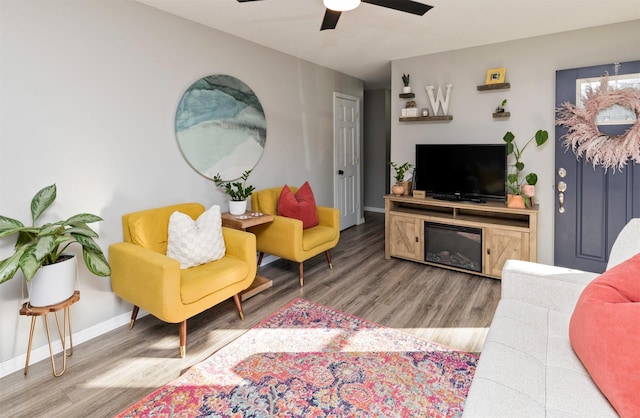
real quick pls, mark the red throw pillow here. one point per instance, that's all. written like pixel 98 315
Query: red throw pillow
pixel 301 206
pixel 605 334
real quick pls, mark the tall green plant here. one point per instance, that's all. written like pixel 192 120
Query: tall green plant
pixel 514 180
pixel 39 246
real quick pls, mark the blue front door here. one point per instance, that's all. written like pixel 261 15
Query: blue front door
pixel 595 204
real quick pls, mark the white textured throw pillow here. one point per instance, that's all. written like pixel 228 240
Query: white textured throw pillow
pixel 196 242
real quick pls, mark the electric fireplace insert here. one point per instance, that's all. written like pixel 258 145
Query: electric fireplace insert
pixel 452 245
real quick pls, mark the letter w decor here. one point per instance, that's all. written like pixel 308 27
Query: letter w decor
pixel 439 100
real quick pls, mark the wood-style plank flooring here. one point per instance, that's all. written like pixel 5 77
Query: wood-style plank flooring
pixel 110 372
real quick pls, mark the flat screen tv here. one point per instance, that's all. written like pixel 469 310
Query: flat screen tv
pixel 473 172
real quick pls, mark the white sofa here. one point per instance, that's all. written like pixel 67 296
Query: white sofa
pixel 527 367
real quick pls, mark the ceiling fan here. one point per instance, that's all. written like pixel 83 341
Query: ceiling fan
pixel 334 8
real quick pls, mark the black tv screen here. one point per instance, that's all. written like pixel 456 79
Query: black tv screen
pixel 461 171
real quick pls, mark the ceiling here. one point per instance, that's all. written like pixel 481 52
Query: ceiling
pixel 368 38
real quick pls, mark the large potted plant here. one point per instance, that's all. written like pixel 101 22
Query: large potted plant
pixel 401 187
pixel 521 190
pixel 238 192
pixel 39 251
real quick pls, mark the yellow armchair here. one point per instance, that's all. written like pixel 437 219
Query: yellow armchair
pixel 143 275
pixel 285 237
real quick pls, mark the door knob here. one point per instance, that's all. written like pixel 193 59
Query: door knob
pixel 562 187
pixel 341 172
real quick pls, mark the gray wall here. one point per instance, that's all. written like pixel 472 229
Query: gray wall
pixel 531 65
pixel 377 143
pixel 89 94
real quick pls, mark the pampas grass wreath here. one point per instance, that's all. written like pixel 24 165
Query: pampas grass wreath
pixel 584 137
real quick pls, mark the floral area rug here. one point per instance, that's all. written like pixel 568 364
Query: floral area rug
pixel 308 360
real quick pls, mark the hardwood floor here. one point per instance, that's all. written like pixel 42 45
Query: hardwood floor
pixel 110 372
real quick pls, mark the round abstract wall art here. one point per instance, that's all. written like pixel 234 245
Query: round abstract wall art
pixel 221 127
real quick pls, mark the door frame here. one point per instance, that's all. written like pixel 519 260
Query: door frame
pixel 358 101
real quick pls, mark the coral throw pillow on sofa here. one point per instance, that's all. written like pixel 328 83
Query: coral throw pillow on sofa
pixel 301 205
pixel 605 334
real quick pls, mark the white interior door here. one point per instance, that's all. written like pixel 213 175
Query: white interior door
pixel 346 122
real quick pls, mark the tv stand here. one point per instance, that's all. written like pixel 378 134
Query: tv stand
pixel 505 233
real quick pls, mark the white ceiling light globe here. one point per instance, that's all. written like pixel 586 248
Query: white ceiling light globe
pixel 341 5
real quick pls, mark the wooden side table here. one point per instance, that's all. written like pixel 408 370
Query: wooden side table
pixel 243 222
pixel 43 311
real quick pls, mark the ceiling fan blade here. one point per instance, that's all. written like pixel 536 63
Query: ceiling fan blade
pixel 330 19
pixel 407 6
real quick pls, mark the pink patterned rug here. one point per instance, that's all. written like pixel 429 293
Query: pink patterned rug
pixel 308 360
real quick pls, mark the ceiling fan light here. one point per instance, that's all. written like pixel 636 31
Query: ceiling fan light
pixel 341 5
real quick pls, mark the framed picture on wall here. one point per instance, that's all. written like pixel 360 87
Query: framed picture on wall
pixel 496 75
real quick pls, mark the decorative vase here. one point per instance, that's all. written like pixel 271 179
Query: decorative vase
pixel 529 190
pixel 237 207
pixel 406 89
pixel 53 283
pixel 515 201
pixel 397 189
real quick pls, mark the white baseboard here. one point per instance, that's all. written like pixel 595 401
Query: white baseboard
pixel 372 209
pixel 41 353
pixel 268 259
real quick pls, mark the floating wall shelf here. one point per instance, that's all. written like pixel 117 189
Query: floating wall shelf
pixel 502 114
pixel 426 118
pixel 498 86
pixel 407 95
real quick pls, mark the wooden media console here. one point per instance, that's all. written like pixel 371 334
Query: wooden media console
pixel 497 233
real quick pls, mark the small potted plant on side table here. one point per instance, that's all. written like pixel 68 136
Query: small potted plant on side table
pixel 521 192
pixel 237 191
pixel 401 187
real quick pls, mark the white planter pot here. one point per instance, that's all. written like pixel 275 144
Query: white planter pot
pixel 53 284
pixel 237 207
pixel 406 89
pixel 529 190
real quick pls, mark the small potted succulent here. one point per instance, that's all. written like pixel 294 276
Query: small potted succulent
pixel 405 82
pixel 40 254
pixel 521 190
pixel 501 106
pixel 238 192
pixel 401 187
